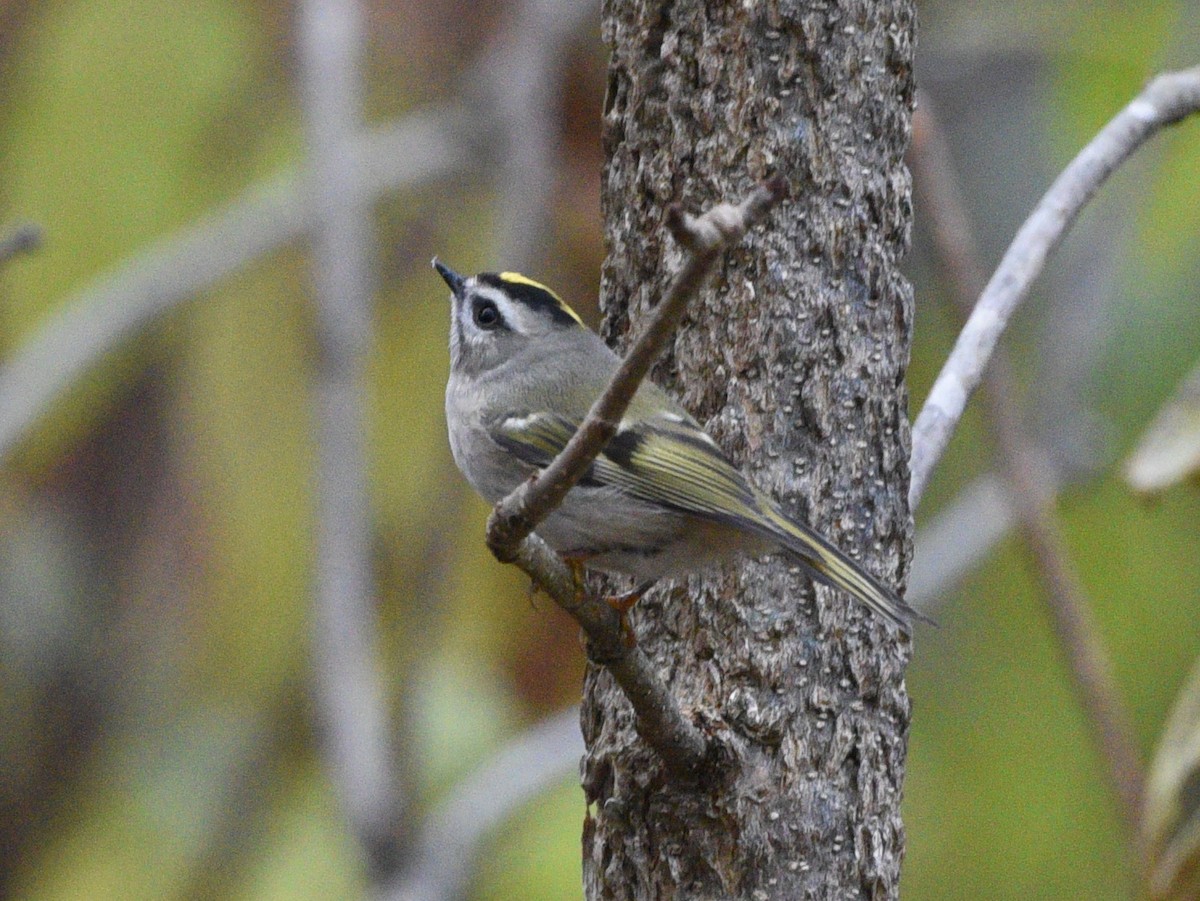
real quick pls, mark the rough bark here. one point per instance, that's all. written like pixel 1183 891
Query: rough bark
pixel 795 359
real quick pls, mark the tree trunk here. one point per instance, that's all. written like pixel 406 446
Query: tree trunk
pixel 795 359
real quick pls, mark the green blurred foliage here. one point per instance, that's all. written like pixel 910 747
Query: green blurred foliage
pixel 538 858
pixel 305 852
pixel 156 737
pixel 108 107
pixel 1006 794
pixel 124 120
pixel 1172 821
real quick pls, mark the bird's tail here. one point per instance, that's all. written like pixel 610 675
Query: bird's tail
pixel 829 565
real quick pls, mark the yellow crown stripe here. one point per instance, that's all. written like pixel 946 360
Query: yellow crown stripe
pixel 518 279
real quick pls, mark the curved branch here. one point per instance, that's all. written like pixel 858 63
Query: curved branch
pixel 660 722
pixel 705 237
pixel 1166 100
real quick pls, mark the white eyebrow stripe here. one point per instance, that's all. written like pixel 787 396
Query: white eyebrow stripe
pixel 509 311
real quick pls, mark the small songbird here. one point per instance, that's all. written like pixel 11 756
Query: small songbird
pixel 660 500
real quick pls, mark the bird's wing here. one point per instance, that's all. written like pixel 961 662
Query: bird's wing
pixel 667 460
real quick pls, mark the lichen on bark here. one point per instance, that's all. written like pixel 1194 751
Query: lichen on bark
pixel 795 360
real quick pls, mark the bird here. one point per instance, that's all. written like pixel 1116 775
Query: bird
pixel 661 500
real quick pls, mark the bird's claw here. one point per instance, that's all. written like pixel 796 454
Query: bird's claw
pixel 623 603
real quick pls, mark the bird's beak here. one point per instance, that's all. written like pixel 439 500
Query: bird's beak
pixel 453 279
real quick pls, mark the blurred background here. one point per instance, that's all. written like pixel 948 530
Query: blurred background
pixel 162 728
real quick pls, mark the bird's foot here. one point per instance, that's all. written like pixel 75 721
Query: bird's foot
pixel 621 603
pixel 625 602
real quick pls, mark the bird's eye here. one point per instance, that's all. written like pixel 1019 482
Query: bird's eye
pixel 486 315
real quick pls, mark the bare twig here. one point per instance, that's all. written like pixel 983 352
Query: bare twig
pixel 22 239
pixel 661 724
pixel 706 238
pixel 350 707
pixel 1032 493
pixel 447 853
pixel 1166 100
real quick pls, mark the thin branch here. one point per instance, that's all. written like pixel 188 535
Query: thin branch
pixel 706 238
pixel 456 832
pixel 1166 100
pixel 349 698
pixel 661 724
pixel 22 239
pixel 1032 493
